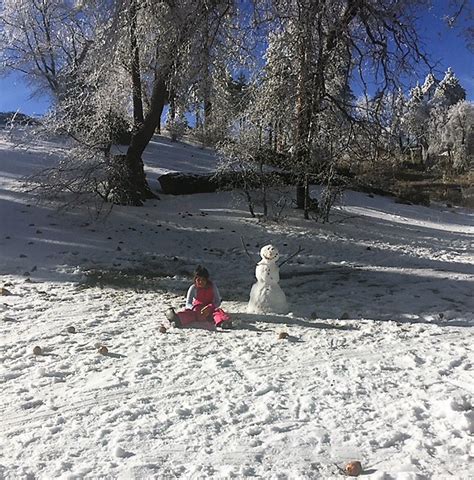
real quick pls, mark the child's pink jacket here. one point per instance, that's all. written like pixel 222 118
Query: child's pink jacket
pixel 197 299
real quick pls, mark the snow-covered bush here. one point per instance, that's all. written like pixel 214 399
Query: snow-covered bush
pixel 177 127
pixel 213 133
pixel 91 117
pixel 457 136
pixel 244 159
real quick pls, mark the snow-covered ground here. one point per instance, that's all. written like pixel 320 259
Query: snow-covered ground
pixel 378 365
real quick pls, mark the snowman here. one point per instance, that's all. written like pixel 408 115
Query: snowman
pixel 266 295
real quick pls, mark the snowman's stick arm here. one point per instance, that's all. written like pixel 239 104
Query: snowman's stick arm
pixel 245 248
pixel 291 256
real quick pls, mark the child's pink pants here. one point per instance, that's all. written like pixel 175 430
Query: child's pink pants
pixel 216 314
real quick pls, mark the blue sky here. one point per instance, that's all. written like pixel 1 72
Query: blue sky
pixel 16 95
pixel 448 46
pixel 445 46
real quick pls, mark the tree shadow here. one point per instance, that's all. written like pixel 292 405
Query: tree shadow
pixel 411 295
pixel 249 319
pixel 114 355
pixel 408 295
pixel 208 326
pixel 47 353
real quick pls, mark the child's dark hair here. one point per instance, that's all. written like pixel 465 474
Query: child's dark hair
pixel 201 272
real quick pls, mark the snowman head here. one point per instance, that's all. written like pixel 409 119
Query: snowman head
pixel 269 253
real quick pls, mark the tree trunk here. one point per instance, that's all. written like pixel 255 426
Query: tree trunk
pixel 302 127
pixel 300 195
pixel 207 111
pixel 198 119
pixel 136 77
pixel 306 197
pixel 138 189
pixel 302 114
pixel 424 153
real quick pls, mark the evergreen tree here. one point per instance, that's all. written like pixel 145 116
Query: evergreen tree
pixel 429 87
pixel 449 91
pixel 427 112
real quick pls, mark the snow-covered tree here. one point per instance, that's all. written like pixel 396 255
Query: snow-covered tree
pixel 399 109
pixel 429 87
pixel 48 40
pixel 245 163
pixel 416 120
pixel 176 124
pixel 380 139
pixel 227 98
pixel 325 46
pixel 455 140
pixel 448 91
pixel 427 111
pixel 143 50
pixel 112 64
pixel 175 31
pixel 274 106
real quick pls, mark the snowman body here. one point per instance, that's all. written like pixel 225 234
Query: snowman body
pixel 266 295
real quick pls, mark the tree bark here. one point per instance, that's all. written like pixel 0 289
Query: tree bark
pixel 207 111
pixel 138 118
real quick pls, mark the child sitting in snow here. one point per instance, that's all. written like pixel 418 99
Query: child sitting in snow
pixel 202 303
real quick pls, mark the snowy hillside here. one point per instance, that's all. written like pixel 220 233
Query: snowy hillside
pixel 378 366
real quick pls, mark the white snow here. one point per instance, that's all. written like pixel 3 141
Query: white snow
pixel 378 365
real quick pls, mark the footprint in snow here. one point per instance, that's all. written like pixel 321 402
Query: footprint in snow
pixel 226 363
pixel 456 362
pixel 183 412
pixel 266 389
pixel 119 452
pixel 31 404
